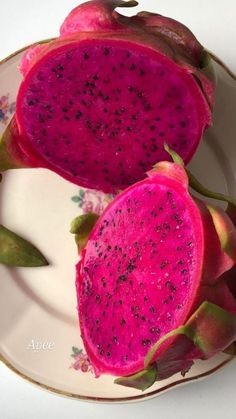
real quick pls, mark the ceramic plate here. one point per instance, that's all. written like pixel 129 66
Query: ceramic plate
pixel 39 333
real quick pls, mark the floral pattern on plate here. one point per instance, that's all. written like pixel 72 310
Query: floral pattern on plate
pixel 91 201
pixel 7 108
pixel 81 361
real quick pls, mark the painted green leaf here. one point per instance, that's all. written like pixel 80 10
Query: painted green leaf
pixel 16 251
pixel 76 199
pixel 81 193
pixel 76 351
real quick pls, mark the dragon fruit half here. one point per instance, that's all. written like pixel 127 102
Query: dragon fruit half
pixel 97 103
pixel 152 284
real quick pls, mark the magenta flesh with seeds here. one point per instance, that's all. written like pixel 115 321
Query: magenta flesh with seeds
pixel 99 111
pixel 139 274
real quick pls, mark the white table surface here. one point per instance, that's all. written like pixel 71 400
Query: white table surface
pixel 213 22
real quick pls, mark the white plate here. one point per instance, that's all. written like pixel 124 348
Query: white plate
pixel 39 330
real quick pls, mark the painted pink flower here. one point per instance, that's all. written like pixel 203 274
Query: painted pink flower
pixel 91 201
pixel 81 360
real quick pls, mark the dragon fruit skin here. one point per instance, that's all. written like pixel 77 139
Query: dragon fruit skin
pixel 151 260
pixel 103 126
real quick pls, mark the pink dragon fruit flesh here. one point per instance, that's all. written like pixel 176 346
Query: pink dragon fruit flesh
pixel 97 103
pixel 152 285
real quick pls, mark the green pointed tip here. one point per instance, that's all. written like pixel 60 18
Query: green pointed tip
pixel 175 157
pixel 81 227
pixel 141 381
pixel 206 60
pixel 16 251
pixel 198 187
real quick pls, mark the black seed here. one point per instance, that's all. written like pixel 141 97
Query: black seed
pixel 122 322
pixel 122 278
pixel 184 272
pixel 130 267
pixel 141 72
pixel 152 310
pixel 86 56
pixel 140 94
pixel 132 67
pixel 98 299
pixel 41 118
pixel 115 339
pixel 163 264
pixel 146 342
pixel 31 102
